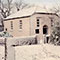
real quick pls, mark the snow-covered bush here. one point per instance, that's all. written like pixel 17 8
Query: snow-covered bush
pixel 5 34
pixel 55 36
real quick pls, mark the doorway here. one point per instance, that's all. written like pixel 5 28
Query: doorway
pixel 47 39
pixel 45 29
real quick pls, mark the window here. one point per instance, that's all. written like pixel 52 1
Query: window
pixel 45 29
pixel 52 22
pixel 11 24
pixel 58 28
pixel 20 22
pixel 57 23
pixel 37 31
pixel 38 23
pixel 5 29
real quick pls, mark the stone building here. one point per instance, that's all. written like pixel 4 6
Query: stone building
pixel 31 21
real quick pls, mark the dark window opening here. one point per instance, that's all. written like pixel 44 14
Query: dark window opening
pixel 51 22
pixel 58 28
pixel 57 23
pixel 38 23
pixel 11 24
pixel 20 24
pixel 20 20
pixel 37 31
pixel 5 29
pixel 37 19
pixel 45 29
pixel 47 39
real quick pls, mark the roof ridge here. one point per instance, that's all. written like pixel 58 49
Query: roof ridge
pixel 28 12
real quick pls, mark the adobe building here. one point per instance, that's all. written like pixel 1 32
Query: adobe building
pixel 31 21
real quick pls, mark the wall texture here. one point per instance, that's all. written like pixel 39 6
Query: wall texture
pixel 29 24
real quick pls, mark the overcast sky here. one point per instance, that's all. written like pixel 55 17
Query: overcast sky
pixel 44 2
pixel 48 3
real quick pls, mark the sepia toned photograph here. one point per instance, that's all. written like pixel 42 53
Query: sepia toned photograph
pixel 29 29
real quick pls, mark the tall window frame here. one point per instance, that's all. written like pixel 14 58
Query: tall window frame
pixel 52 21
pixel 20 24
pixel 37 31
pixel 38 22
pixel 11 25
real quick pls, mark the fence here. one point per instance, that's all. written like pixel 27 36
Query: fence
pixel 9 42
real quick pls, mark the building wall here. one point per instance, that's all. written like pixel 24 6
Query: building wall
pixel 44 20
pixel 30 24
pixel 16 32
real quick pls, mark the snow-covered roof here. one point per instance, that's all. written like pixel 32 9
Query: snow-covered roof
pixel 28 12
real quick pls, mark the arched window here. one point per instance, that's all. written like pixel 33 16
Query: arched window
pixel 45 29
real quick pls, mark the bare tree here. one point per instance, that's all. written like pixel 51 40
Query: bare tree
pixel 9 3
pixel 56 9
pixel 5 8
pixel 20 5
pixel 55 36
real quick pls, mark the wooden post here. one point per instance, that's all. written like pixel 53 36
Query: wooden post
pixel 5 48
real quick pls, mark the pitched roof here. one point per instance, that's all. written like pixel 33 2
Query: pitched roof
pixel 28 12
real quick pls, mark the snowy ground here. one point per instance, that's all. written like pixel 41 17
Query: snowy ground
pixel 37 52
pixel 2 52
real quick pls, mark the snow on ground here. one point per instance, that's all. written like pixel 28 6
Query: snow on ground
pixel 37 52
pixel 2 52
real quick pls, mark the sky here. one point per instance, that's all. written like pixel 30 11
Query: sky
pixel 49 3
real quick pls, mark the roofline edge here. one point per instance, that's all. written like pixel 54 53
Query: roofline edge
pixel 31 15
